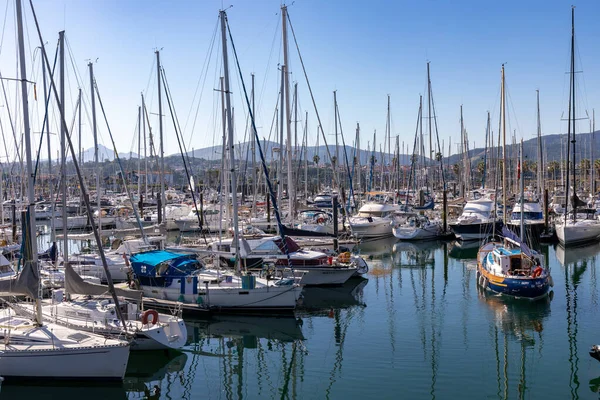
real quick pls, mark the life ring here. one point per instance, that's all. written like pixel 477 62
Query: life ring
pixel 146 314
pixel 320 220
pixel 344 257
pixel 537 272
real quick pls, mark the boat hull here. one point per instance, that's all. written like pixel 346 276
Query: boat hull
pixel 413 233
pixel 323 276
pixel 571 235
pixel 533 230
pixel 522 287
pixel 475 231
pixel 64 363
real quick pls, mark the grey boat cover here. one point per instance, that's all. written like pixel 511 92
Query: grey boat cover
pixel 74 284
pixel 26 283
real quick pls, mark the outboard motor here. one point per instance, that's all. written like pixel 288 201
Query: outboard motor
pixel 595 352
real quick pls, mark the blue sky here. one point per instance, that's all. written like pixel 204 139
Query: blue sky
pixel 364 50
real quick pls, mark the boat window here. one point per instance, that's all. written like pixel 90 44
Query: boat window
pixel 528 215
pixel 366 214
pixel 267 247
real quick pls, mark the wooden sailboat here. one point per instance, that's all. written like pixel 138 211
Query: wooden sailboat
pixel 505 264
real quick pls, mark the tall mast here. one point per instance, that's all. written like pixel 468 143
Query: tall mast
pixel 290 170
pixel 463 186
pixel 79 142
pixel 540 169
pixel 522 195
pixel 306 156
pixel 95 133
pixel 224 183
pixel 51 186
pixel 230 136
pixel 572 113
pixel 27 133
pixel 335 124
pixel 431 155
pixel 592 166
pixel 163 200
pixel 503 116
pixel 358 157
pixel 145 153
pixel 139 168
pixel 254 172
pixel 389 139
pixel 281 143
pixel 63 145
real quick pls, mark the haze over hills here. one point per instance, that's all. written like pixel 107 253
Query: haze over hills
pixel 553 146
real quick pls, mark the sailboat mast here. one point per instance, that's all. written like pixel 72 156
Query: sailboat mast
pixel 540 169
pixel 592 166
pixel 51 185
pixel 254 172
pixel 572 114
pixel 223 183
pixel 236 243
pixel 96 163
pixel 503 116
pixel 522 190
pixel 145 152
pixel 163 200
pixel 27 133
pixel 63 145
pixel 290 170
pixel 358 157
pixel 335 124
pixel 389 138
pixel 139 157
pixel 429 119
pixel 306 156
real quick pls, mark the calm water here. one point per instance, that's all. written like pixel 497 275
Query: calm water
pixel 418 328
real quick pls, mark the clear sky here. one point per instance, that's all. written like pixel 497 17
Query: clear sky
pixel 364 50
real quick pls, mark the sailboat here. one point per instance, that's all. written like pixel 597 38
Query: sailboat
pixel 32 348
pixel 170 277
pixel 505 264
pixel 570 230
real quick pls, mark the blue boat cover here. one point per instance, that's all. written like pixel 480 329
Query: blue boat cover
pixel 164 263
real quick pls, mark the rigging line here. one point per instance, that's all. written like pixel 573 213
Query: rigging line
pixel 339 118
pixel 312 97
pixel 11 123
pixel 46 107
pixel 181 150
pixel 4 27
pixel 203 72
pixel 262 156
pixel 437 135
pixel 79 176
pixel 267 68
pixel 135 210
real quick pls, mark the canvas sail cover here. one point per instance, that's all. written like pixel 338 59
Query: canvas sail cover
pixel 74 284
pixel 576 202
pixel 28 281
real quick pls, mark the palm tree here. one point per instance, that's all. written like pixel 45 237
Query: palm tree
pixel 456 169
pixel 553 169
pixel 316 159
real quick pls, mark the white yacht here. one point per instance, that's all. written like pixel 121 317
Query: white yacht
pixel 575 231
pixel 533 219
pixel 412 226
pixel 476 221
pixel 372 221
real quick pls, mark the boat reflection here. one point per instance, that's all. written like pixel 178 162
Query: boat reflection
pixel 464 250
pixel 571 255
pixel 377 247
pixel 62 390
pixel 350 294
pixel 147 370
pixel 245 329
pixel 515 321
pixel 415 254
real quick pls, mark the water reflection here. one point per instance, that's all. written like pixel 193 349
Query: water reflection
pixel 576 262
pixel 464 250
pixel 350 294
pixel 415 254
pixel 520 321
pixel 31 390
pixel 151 374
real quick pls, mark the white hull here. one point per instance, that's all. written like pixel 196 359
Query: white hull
pixel 578 233
pixel 413 233
pixel 92 266
pixel 362 228
pixel 78 222
pixel 232 298
pixel 55 352
pixel 321 276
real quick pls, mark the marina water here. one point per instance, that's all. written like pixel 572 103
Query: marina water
pixel 417 328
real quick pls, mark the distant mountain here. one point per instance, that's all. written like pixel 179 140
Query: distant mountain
pixel 271 151
pixel 104 153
